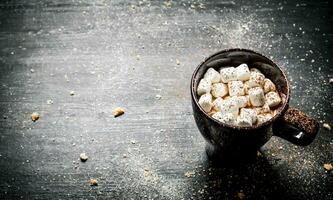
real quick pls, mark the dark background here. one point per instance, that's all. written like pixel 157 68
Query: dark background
pixel 124 53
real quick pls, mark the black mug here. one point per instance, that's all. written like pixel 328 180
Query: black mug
pixel 228 142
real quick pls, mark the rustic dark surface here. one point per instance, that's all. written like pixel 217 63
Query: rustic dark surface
pixel 124 53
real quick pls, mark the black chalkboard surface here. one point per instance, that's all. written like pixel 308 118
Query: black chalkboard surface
pixel 73 62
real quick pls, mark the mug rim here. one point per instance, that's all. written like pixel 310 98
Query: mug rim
pixel 284 107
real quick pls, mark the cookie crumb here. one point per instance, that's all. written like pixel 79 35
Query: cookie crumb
pixel 93 182
pixel 158 97
pixel 34 116
pixel 330 80
pixel 328 167
pixel 118 111
pixel 32 70
pixel 83 157
pixel 327 126
pixel 259 154
pixel 189 174
pixel 124 155
pixel 177 62
pixel 241 195
pixel 72 93
pixel 49 101
pixel 133 142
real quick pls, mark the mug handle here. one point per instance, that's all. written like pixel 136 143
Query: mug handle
pixel 296 127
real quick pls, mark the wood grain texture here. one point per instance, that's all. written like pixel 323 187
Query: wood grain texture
pixel 124 53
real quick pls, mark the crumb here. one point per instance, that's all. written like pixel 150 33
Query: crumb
pixel 34 116
pixel 330 80
pixel 49 101
pixel 118 111
pixel 133 141
pixel 327 126
pixel 93 182
pixel 158 97
pixel 241 195
pixel 138 57
pixel 177 62
pixel 167 3
pixel 83 157
pixel 259 154
pixel 202 6
pixel 146 173
pixel 328 167
pixel 32 70
pixel 189 174
pixel 124 155
pixel 72 93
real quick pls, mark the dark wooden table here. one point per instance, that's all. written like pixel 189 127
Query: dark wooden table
pixel 128 53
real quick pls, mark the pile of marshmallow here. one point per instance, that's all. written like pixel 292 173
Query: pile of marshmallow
pixel 238 95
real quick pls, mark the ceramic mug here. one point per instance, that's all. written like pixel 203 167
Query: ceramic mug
pixel 234 142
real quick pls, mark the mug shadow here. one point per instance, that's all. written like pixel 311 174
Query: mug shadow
pixel 254 179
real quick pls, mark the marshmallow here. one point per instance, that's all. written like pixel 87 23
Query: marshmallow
pixel 218 116
pixel 268 85
pixel 219 90
pixel 257 97
pixel 273 99
pixel 264 109
pixel 205 102
pixel 228 106
pixel 246 121
pixel 204 86
pixel 236 88
pixel 248 113
pixel 227 118
pixel 212 75
pixel 241 101
pixel 243 72
pixel 228 74
pixel 256 79
pixel 216 102
pixel 264 117
pixel 246 87
pixel 255 70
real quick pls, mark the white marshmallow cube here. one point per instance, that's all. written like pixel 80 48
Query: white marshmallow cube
pixel 268 85
pixel 264 109
pixel 216 103
pixel 212 75
pixel 243 72
pixel 228 74
pixel 219 90
pixel 256 79
pixel 272 99
pixel 205 102
pixel 227 118
pixel 264 117
pixel 248 113
pixel 244 121
pixel 246 87
pixel 218 116
pixel 236 88
pixel 204 86
pixel 256 96
pixel 255 70
pixel 241 101
pixel 228 106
